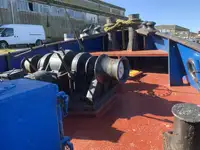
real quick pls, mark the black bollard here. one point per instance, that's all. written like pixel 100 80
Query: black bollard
pixel 144 25
pixel 85 33
pixel 133 39
pixel 97 30
pixel 112 39
pixel 186 130
pixel 151 26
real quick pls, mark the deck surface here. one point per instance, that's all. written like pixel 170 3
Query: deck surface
pixel 136 121
pixel 139 53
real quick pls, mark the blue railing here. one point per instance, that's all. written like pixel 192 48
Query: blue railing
pixel 91 44
pixel 180 51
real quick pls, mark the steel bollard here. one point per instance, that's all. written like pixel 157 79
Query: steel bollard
pixel 133 39
pixel 85 33
pixel 151 26
pixel 144 25
pixel 186 130
pixel 112 37
pixel 97 30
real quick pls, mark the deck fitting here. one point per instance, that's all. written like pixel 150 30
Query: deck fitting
pixel 186 130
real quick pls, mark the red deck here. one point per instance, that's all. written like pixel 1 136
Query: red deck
pixel 139 53
pixel 136 121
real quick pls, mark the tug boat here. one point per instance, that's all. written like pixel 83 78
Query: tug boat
pixel 145 86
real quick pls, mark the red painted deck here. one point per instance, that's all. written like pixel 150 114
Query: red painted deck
pixel 139 53
pixel 136 121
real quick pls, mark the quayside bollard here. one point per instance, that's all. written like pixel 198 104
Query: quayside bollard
pixel 186 130
pixel 112 39
pixel 133 39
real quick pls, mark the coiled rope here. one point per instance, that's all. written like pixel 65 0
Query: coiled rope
pixel 121 23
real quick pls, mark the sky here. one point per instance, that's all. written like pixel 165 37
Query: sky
pixel 185 13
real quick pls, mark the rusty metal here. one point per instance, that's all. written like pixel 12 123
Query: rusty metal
pixel 137 53
pixel 132 122
pixel 186 131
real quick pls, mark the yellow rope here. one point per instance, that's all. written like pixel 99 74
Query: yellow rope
pixel 120 23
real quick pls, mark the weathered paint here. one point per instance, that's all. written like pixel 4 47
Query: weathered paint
pixel 137 119
pixel 90 44
pixel 179 53
pixel 138 53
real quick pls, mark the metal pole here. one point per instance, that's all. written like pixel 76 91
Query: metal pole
pixel 13 17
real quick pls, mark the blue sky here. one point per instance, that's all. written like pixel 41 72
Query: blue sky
pixel 181 12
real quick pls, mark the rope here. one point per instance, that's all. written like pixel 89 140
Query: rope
pixel 120 23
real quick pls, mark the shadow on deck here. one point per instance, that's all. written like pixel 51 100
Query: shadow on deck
pixel 135 99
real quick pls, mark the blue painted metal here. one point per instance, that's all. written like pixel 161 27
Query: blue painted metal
pixel 29 116
pixel 176 67
pixel 119 38
pixel 3 63
pixel 72 45
pixel 188 53
pixel 149 43
pixel 94 44
pixel 62 110
pixel 178 53
pixel 90 44
pixel 160 43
